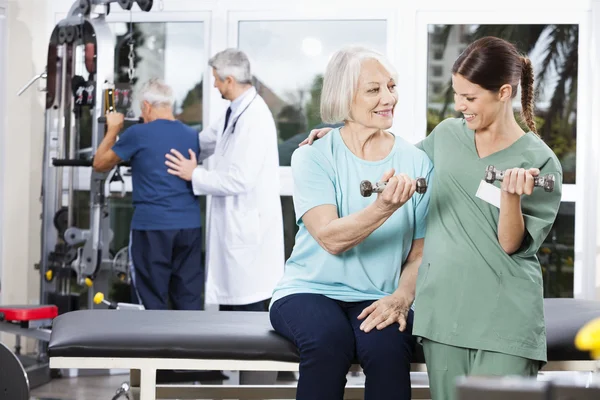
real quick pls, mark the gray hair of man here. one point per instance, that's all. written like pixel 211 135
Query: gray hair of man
pixel 156 93
pixel 234 63
pixel 341 81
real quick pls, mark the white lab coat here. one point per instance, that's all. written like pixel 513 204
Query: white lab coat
pixel 245 251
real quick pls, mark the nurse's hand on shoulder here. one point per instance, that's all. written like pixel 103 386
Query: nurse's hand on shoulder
pixel 181 166
pixel 314 135
pixel 519 181
pixel 385 312
pixel 399 189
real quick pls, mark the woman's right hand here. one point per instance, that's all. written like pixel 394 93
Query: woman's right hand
pixel 399 189
pixel 314 135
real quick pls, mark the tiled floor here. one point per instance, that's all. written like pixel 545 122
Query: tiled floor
pixel 80 388
pixel 104 387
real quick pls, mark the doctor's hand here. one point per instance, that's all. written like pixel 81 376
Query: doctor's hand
pixel 314 135
pixel 519 181
pixel 181 166
pixel 385 312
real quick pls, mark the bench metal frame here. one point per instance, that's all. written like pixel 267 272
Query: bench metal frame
pixel 144 387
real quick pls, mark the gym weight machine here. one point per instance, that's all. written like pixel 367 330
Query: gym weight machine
pixel 80 90
pixel 81 43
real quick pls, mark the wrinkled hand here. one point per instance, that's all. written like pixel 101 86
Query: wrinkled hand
pixel 519 181
pixel 314 135
pixel 399 190
pixel 385 312
pixel 181 166
pixel 115 120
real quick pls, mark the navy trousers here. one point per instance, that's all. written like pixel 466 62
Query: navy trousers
pixel 328 336
pixel 167 269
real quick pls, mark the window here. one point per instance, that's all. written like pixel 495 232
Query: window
pixel 557 254
pixel 436 71
pixel 159 50
pixel 292 86
pixel 553 52
pixel 173 52
pixel 436 88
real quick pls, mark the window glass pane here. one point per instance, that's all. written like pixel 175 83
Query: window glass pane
pixel 557 253
pixel 553 52
pixel 292 86
pixel 158 49
pixel 173 52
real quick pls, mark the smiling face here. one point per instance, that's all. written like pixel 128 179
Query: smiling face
pixel 480 107
pixel 375 97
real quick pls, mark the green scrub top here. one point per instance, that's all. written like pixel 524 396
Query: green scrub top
pixel 470 293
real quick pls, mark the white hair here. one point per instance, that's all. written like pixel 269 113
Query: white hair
pixel 157 93
pixel 232 62
pixel 341 80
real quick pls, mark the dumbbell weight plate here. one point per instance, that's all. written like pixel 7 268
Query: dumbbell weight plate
pixel 62 35
pixel 126 4
pixel 14 384
pixel 70 34
pixel 85 6
pixel 145 5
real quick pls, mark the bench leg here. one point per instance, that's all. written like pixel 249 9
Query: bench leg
pixel 134 378
pixel 148 384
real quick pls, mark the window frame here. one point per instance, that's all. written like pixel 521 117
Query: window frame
pixel 310 15
pixel 82 176
pixel 3 121
pixel 584 196
pixel 407 48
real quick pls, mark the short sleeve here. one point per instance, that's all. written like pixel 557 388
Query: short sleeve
pixel 539 212
pixel 127 144
pixel 422 200
pixel 427 144
pixel 314 183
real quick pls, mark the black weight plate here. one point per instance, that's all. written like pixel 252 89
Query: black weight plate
pixel 145 5
pixel 85 7
pixel 126 4
pixel 14 384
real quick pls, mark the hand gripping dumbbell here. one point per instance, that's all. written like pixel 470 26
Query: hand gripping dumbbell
pixel 367 188
pixel 547 181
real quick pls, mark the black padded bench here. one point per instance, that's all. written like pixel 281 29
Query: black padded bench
pixel 146 341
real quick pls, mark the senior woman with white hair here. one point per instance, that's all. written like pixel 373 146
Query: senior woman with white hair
pixel 166 240
pixel 349 283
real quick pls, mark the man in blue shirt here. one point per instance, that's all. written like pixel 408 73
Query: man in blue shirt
pixel 165 243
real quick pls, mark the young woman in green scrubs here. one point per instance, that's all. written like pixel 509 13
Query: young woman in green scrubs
pixel 479 298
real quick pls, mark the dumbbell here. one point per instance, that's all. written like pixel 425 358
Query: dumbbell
pixel 547 181
pixel 367 188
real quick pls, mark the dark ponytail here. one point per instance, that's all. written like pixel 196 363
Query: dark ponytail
pixel 527 96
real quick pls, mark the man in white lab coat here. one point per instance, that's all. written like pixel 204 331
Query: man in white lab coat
pixel 245 252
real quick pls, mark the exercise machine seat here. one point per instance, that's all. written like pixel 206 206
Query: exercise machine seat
pixel 27 313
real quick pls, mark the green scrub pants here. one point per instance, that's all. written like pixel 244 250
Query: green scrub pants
pixel 446 363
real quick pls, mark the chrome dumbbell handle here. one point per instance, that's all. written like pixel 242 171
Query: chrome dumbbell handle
pixel 547 181
pixel 367 188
